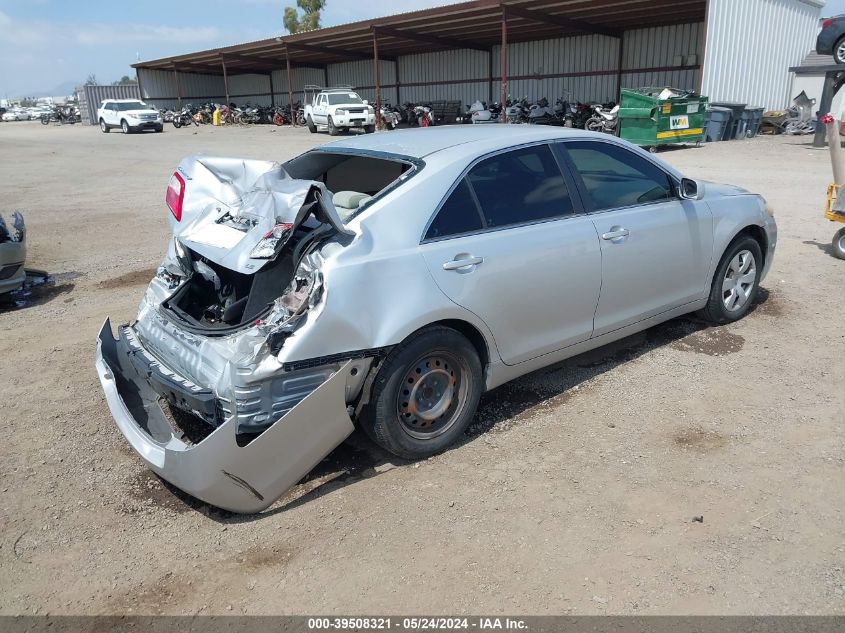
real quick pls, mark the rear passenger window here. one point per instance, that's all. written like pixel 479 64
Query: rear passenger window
pixel 459 214
pixel 520 186
pixel 615 177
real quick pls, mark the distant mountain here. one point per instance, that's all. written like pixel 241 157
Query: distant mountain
pixel 63 89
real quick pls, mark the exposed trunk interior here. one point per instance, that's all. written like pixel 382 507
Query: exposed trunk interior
pixel 221 299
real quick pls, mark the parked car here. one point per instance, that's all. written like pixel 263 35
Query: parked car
pixel 12 254
pixel 390 281
pixel 16 115
pixel 831 39
pixel 339 109
pixel 130 115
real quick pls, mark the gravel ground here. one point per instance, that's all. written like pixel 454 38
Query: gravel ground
pixel 574 491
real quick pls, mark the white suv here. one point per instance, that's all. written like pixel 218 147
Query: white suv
pixel 339 109
pixel 130 115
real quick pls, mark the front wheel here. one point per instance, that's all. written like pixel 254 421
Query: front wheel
pixel 425 394
pixel 736 282
pixel 103 127
pixel 124 126
pixel 45 120
pixel 839 244
pixel 594 125
pixel 369 129
pixel 177 123
pixel 311 127
pixel 333 131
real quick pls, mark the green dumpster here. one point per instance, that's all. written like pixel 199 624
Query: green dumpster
pixel 651 117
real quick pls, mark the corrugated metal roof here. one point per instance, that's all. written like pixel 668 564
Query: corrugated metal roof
pixel 473 24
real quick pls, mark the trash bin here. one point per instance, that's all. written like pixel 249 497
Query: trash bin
pixel 754 122
pixel 655 116
pixel 734 124
pixel 717 124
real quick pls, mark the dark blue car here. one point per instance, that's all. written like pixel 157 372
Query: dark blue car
pixel 831 40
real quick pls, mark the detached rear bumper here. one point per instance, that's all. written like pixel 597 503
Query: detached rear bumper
pixel 237 478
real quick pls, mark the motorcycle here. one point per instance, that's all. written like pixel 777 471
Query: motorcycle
pixel 604 120
pixel 482 113
pixel 541 114
pixel 184 117
pixel 61 115
pixel 517 111
pixel 389 117
pixel 424 115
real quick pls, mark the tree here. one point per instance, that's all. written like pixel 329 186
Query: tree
pixel 310 19
pixel 91 80
pixel 126 80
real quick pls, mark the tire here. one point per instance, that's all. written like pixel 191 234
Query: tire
pixel 736 281
pixel 411 429
pixel 159 129
pixel 369 129
pixel 839 51
pixel 45 120
pixel 177 123
pixel 594 125
pixel 333 131
pixel 838 244
pixel 103 127
pixel 278 119
pixel 311 127
pixel 124 126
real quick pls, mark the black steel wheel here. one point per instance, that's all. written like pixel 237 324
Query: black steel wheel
pixel 425 394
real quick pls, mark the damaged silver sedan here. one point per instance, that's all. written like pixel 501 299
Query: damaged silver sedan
pixel 386 282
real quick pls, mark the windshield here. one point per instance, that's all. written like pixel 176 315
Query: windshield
pixel 343 97
pixel 131 105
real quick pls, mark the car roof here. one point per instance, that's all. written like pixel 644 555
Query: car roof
pixel 139 100
pixel 420 143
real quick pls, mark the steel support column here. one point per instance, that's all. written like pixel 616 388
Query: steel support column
pixel 290 88
pixel 504 61
pixel 376 78
pixel 619 69
pixel 178 88
pixel 272 90
pixel 225 80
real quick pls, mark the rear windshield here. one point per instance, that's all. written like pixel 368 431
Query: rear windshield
pixel 338 98
pixel 131 105
pixel 353 179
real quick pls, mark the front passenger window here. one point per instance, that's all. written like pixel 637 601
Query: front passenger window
pixel 616 177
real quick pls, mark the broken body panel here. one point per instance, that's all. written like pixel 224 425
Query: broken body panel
pixel 12 254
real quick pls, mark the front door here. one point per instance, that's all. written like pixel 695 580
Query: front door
pixel 656 248
pixel 511 245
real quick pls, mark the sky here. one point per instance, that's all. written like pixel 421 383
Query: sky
pixel 47 43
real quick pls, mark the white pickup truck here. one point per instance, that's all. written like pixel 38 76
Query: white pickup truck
pixel 338 109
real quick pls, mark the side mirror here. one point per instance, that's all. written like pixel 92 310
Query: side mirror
pixel 691 190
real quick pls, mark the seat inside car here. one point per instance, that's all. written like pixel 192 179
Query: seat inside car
pixel 347 202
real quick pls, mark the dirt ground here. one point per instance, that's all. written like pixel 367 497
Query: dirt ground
pixel 574 491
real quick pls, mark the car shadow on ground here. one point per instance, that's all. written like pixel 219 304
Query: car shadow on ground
pixel 39 288
pixel 825 247
pixel 358 458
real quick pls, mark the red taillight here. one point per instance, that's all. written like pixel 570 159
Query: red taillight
pixel 827 23
pixel 175 195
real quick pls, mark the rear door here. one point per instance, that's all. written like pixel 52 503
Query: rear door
pixel 656 248
pixel 511 244
pixel 320 110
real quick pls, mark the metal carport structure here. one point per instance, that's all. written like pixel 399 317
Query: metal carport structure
pixel 529 42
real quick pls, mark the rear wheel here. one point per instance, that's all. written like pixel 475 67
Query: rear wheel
pixel 425 394
pixel 839 51
pixel 736 282
pixel 177 123
pixel 103 127
pixel 333 131
pixel 839 244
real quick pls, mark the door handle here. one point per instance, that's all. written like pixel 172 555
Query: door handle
pixel 460 263
pixel 615 233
